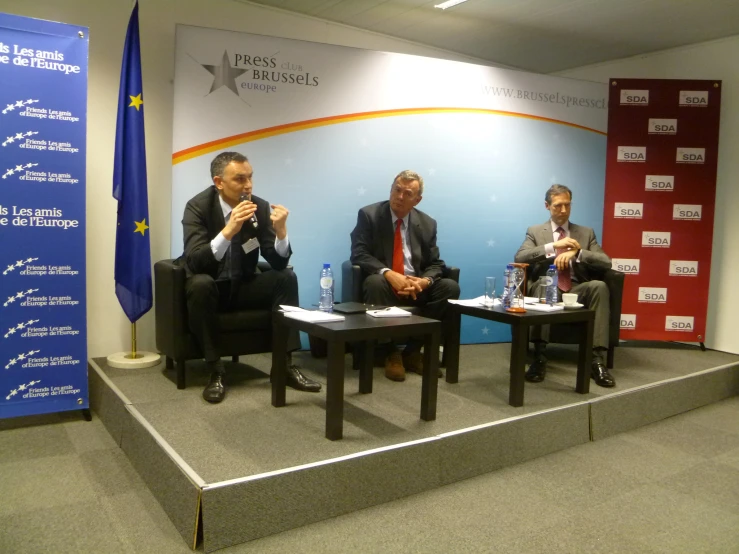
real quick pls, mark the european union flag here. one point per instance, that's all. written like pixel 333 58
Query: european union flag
pixel 132 251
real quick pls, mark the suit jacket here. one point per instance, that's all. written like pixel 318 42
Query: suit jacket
pixel 593 260
pixel 203 220
pixel 373 237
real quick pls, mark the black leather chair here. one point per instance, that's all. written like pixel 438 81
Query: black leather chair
pixel 569 333
pixel 352 279
pixel 242 332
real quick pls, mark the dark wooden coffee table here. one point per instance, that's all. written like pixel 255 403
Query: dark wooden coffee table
pixel 365 330
pixel 520 324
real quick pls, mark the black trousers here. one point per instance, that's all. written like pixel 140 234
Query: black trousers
pixel 208 297
pixel 432 301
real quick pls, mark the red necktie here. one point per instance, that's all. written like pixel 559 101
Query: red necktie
pixel 564 279
pixel 398 264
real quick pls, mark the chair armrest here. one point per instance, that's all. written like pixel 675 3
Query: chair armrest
pixel 351 282
pixel 450 272
pixel 170 305
pixel 614 280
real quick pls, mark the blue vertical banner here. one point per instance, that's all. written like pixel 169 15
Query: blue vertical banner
pixel 43 121
pixel 132 250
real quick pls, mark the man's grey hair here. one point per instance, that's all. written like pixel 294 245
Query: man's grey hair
pixel 554 190
pixel 408 175
pixel 219 163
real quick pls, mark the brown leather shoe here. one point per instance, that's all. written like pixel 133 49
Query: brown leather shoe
pixel 414 362
pixel 394 369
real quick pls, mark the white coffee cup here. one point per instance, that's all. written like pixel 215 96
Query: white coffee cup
pixel 569 298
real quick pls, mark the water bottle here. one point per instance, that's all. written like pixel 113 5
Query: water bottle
pixel 506 296
pixel 326 302
pixel 551 283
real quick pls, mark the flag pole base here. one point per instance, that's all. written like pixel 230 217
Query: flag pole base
pixel 123 360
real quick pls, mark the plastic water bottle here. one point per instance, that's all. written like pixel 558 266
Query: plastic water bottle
pixel 326 302
pixel 551 282
pixel 506 296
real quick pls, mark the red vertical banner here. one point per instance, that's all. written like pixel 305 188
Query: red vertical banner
pixel 662 155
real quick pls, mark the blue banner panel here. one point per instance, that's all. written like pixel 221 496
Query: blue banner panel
pixel 43 121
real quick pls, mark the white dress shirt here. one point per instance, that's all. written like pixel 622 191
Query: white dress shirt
pixel 219 245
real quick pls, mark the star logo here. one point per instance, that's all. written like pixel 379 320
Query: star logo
pixel 19 136
pixel 491 243
pixel 19 103
pixel 141 227
pixel 136 101
pixel 224 75
pixel 485 330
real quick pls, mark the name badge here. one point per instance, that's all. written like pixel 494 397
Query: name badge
pixel 250 245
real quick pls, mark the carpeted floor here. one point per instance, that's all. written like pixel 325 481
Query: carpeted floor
pixel 671 487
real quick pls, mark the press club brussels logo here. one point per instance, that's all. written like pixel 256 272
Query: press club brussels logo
pixel 634 97
pixel 653 295
pixel 694 98
pixel 665 183
pixel 679 323
pixel 655 239
pixel 632 154
pixel 683 268
pixel 626 265
pixel 662 127
pixel 628 321
pixel 687 211
pixel 625 210
pixel 690 155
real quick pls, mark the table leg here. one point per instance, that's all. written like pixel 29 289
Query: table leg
pixel 585 357
pixel 279 361
pixel 451 348
pixel 367 367
pixel 519 339
pixel 335 391
pixel 430 382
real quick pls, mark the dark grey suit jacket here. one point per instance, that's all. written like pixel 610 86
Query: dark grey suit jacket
pixel 373 237
pixel 203 220
pixel 593 260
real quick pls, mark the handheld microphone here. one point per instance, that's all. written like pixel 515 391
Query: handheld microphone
pixel 247 198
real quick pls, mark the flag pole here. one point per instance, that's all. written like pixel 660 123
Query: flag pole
pixel 133 341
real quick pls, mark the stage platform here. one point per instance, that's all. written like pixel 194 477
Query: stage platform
pixel 240 470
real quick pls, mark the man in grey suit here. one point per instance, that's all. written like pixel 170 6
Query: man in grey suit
pixel 225 229
pixel 574 250
pixel 395 245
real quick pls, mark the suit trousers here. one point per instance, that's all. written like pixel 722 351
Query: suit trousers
pixel 432 301
pixel 594 295
pixel 207 297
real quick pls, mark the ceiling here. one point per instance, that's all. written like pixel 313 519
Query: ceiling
pixel 542 36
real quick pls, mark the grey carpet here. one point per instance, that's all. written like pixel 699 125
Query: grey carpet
pixel 671 487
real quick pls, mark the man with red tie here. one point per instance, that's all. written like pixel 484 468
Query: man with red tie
pixel 395 245
pixel 574 250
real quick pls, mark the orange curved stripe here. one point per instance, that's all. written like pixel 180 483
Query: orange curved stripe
pixel 220 144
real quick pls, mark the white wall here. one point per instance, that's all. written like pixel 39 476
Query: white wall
pixel 108 328
pixel 709 60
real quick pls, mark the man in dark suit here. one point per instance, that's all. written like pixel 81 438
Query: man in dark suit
pixel 395 245
pixel 574 250
pixel 225 230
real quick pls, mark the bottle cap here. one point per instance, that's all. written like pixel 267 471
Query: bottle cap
pixel 326 266
pixel 552 266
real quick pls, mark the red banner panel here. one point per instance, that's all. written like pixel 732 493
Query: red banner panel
pixel 659 203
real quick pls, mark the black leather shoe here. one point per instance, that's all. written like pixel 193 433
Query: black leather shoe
pixel 601 376
pixel 537 371
pixel 215 392
pixel 298 381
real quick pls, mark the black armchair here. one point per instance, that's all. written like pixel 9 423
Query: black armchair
pixel 242 332
pixel 569 333
pixel 352 279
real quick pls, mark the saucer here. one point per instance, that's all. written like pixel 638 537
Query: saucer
pixel 574 306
